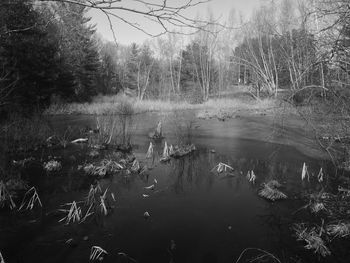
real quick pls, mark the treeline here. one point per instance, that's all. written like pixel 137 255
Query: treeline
pixel 303 47
pixel 47 51
pixel 51 52
pixel 300 46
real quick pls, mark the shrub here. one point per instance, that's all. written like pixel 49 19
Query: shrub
pixel 25 134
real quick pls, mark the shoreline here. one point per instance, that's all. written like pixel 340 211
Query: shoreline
pixel 109 105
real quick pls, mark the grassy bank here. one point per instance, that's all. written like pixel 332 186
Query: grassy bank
pixel 102 105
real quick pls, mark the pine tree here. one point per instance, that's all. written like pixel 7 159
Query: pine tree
pixel 78 49
pixel 27 55
pixel 109 82
pixel 132 68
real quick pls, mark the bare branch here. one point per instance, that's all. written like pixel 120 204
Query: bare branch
pixel 166 16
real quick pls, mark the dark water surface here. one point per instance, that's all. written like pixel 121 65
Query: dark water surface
pixel 210 217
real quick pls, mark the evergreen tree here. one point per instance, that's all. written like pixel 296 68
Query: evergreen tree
pixel 78 49
pixel 27 55
pixel 132 68
pixel 109 82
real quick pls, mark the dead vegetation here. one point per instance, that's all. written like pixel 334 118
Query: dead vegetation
pixel 222 167
pixel 74 214
pixel 313 238
pixel 96 202
pixel 251 177
pixel 166 152
pixel 263 256
pixel 334 212
pixel 97 253
pixel 30 199
pixel 6 197
pixel 178 151
pixel 114 128
pixel 113 164
pixel 158 133
pixel 340 229
pixel 103 168
pixel 52 166
pixel 271 192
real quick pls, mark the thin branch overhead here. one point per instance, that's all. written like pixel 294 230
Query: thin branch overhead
pixel 165 16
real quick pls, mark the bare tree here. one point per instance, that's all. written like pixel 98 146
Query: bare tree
pixel 170 50
pixel 206 43
pixel 165 16
pixel 144 68
pixel 227 38
pixel 257 53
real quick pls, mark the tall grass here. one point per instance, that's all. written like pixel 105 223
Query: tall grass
pixel 116 128
pixel 103 105
pixel 107 127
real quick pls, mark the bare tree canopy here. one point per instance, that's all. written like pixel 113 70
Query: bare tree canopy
pixel 163 15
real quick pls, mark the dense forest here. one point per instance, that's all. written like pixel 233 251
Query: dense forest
pixel 50 52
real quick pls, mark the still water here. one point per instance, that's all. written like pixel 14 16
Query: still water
pixel 196 215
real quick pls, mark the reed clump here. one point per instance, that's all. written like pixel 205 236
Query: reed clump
pixel 52 166
pixel 115 127
pixel 112 164
pixel 103 168
pixel 30 200
pixel 340 229
pixel 271 192
pixel 6 195
pixel 313 239
pixel 106 131
pixel 97 202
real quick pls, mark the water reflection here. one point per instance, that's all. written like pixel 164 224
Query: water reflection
pixel 194 171
pixel 190 204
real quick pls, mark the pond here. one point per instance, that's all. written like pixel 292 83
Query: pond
pixel 195 213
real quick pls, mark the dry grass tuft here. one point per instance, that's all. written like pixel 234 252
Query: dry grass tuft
pixel 317 207
pixel 74 214
pixel 104 168
pixel 30 198
pixel 107 127
pixel 339 230
pixel 6 197
pixel 270 192
pixel 52 166
pixel 97 253
pixel 222 167
pixel 312 238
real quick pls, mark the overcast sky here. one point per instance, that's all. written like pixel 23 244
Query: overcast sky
pixel 126 34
